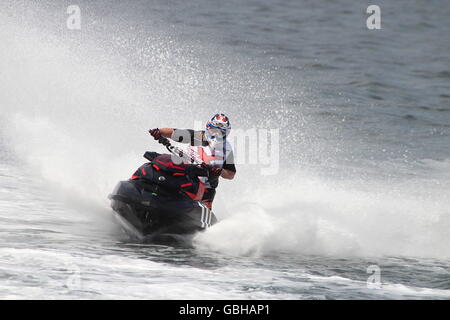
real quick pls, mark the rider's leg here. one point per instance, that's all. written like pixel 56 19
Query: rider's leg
pixel 208 197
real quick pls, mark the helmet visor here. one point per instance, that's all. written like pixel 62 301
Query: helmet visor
pixel 215 131
pixel 214 134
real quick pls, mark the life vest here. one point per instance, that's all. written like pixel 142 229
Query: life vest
pixel 215 156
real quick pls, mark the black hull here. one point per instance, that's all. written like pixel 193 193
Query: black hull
pixel 146 211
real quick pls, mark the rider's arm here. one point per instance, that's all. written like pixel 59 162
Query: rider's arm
pixel 179 135
pixel 166 132
pixel 228 174
pixel 187 136
pixel 229 169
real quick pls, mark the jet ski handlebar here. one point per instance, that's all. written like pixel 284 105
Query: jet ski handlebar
pixel 191 158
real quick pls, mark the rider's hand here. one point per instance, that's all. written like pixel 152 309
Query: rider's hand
pixel 212 170
pixel 155 133
pixel 164 141
pixel 215 171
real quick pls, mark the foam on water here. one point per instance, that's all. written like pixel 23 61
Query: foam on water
pixel 319 217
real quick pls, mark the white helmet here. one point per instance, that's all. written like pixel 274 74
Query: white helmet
pixel 217 128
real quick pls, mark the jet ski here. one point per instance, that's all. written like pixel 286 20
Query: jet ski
pixel 162 197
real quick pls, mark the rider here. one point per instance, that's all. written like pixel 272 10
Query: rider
pixel 212 146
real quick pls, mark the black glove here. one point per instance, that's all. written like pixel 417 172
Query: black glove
pixel 215 171
pixel 155 133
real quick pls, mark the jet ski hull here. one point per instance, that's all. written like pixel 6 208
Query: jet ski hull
pixel 146 212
